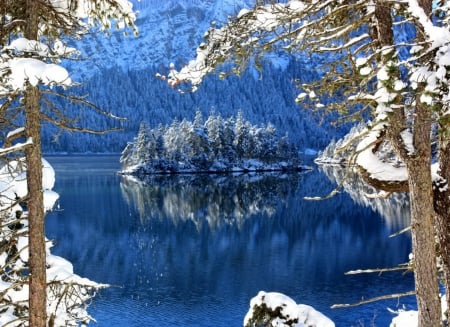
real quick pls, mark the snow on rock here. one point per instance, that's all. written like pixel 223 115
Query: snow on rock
pixel 276 309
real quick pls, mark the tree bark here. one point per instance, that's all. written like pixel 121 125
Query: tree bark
pixel 36 238
pixel 423 224
pixel 425 270
pixel 423 231
pixel 442 208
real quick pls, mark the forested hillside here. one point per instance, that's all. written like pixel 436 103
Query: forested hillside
pixel 118 75
pixel 140 97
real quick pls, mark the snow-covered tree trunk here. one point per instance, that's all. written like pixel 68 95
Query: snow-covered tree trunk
pixel 31 29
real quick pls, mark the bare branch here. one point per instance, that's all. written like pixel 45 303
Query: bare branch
pixel 375 299
pixel 82 100
pixel 378 270
pixel 15 148
pixel 63 125
pixel 404 230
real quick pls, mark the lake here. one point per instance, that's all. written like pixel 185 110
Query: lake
pixel 193 250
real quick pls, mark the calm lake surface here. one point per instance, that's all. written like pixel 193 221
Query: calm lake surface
pixel 193 250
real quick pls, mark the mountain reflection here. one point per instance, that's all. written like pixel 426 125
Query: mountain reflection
pixel 394 209
pixel 204 199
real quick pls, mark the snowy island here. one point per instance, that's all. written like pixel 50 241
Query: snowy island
pixel 216 145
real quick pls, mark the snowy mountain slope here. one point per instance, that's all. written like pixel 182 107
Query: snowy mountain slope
pixel 119 72
pixel 169 31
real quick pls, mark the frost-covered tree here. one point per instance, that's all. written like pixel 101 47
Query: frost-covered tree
pixel 208 146
pixel 34 37
pixel 242 132
pixel 145 143
pixel 366 68
pixel 214 125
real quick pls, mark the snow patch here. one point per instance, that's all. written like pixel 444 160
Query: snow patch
pixel 304 315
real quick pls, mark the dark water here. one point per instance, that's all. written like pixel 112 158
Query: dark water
pixel 184 251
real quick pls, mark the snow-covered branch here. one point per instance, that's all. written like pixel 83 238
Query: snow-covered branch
pixel 238 39
pixel 15 148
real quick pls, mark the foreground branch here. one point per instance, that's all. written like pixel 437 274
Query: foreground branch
pixel 374 299
pixel 66 127
pixel 377 270
pixel 404 230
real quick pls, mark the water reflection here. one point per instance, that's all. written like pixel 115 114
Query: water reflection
pixel 208 199
pixel 394 209
pixel 184 251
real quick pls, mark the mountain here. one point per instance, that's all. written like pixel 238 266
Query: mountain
pixel 169 31
pixel 119 72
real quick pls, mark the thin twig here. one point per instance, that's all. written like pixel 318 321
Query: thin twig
pixel 377 270
pixel 374 299
pixel 407 228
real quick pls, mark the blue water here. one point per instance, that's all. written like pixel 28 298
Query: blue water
pixel 184 251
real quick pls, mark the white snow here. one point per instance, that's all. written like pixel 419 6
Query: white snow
pixel 36 71
pixel 364 71
pixel 24 45
pixel 13 184
pixel 409 318
pixel 405 319
pixel 375 167
pixel 15 132
pixel 306 315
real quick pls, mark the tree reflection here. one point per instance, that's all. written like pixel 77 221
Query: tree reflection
pixel 198 245
pixel 394 209
pixel 205 199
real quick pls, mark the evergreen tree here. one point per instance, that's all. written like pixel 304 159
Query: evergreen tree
pixel 241 132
